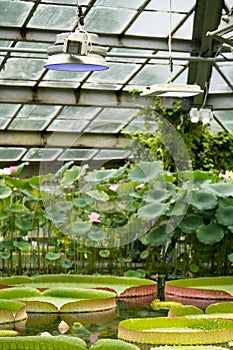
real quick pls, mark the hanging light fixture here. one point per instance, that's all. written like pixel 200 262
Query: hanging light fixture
pixel 76 51
pixel 170 89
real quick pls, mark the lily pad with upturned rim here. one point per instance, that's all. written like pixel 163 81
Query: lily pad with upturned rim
pixel 176 331
pixel 12 311
pixel 202 288
pixel 61 300
pixel 122 286
pixel 42 343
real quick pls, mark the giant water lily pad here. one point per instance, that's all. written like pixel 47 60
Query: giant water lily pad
pixel 177 331
pixel 216 288
pixel 12 311
pixel 195 347
pixel 223 310
pixel 42 343
pixel 56 300
pixel 122 286
pixel 113 344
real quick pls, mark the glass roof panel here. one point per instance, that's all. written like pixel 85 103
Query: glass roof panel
pixel 42 154
pixel 154 24
pixel 36 111
pixel 117 73
pixel 53 16
pixel 78 154
pixel 112 154
pixel 30 45
pixel 67 125
pixel 22 69
pixel 11 153
pixel 14 13
pixel 177 5
pixel 115 19
pixel 104 127
pixel 131 52
pixel 154 74
pixel 133 4
pixel 7 110
pixel 225 118
pixel 3 123
pixel 27 124
pixel 118 114
pixel 217 83
pixel 85 113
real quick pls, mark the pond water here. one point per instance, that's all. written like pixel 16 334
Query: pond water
pixel 96 325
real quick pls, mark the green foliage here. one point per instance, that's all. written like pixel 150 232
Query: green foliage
pixel 207 151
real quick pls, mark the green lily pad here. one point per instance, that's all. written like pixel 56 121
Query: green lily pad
pixel 176 331
pixel 122 286
pixel 61 299
pixel 210 234
pixel 204 287
pixel 113 344
pixel 158 236
pixel 189 347
pixel 12 311
pixel 60 342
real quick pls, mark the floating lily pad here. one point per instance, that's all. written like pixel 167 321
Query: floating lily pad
pixel 113 344
pixel 56 300
pixel 122 286
pixel 177 331
pixel 223 310
pixel 12 311
pixel 165 305
pixel 216 288
pixel 195 347
pixel 42 342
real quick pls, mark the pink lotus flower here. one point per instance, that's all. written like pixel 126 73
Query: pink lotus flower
pixel 113 187
pixel 63 327
pixel 8 171
pixel 227 176
pixel 93 217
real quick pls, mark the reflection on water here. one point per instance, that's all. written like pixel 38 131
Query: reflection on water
pixel 96 325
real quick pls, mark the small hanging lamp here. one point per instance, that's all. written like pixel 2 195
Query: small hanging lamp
pixel 76 51
pixel 170 89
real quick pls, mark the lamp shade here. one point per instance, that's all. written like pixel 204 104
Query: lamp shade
pixel 77 51
pixel 172 90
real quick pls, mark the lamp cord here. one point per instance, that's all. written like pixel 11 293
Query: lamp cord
pixel 79 16
pixel 170 42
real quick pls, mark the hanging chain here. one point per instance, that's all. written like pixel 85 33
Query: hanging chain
pixel 79 17
pixel 170 41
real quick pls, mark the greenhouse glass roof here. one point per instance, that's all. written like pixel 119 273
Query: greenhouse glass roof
pixel 62 116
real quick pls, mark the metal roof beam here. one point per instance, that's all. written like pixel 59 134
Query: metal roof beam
pixel 84 97
pixel 110 40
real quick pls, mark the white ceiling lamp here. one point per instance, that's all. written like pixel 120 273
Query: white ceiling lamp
pixel 170 89
pixel 76 51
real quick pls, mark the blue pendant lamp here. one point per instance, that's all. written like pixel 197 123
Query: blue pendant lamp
pixel 76 51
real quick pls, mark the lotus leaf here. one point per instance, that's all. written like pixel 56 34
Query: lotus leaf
pixel 224 216
pixel 177 331
pixel 203 287
pixel 42 343
pixel 203 200
pixel 190 223
pixel 145 171
pixel 113 344
pixel 158 236
pixel 151 211
pixel 61 299
pixel 123 286
pixel 223 189
pixel 210 234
